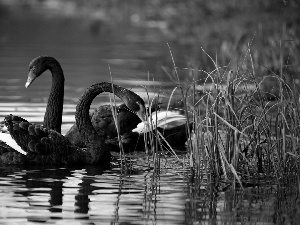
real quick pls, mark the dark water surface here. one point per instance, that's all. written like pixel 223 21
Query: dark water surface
pixel 125 55
pixel 87 195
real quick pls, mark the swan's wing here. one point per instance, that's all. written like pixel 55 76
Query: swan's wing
pixel 173 121
pixel 7 139
pixel 102 119
pixel 35 138
pixel 54 148
pixel 163 119
pixel 43 146
pixel 142 127
pixel 17 128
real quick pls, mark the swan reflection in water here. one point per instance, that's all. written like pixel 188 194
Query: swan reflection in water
pixel 89 194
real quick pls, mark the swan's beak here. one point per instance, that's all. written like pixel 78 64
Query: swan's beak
pixel 30 79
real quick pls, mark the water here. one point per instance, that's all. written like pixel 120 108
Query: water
pixel 88 195
pixel 86 58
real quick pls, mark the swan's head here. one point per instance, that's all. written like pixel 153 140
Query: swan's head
pixel 136 104
pixel 141 112
pixel 38 66
pixel 137 107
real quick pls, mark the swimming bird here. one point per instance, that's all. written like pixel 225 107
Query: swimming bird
pixel 47 146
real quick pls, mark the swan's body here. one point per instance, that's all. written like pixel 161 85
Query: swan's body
pixel 47 146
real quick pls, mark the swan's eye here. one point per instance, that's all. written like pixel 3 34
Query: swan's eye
pixel 139 104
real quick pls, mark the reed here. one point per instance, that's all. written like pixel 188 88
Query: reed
pixel 239 136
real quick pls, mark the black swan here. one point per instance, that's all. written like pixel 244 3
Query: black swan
pixel 47 146
pixel 101 117
pixel 54 109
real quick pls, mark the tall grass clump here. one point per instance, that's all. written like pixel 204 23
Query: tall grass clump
pixel 242 133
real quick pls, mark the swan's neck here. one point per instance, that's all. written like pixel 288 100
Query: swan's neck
pixel 95 141
pixel 83 121
pixel 54 110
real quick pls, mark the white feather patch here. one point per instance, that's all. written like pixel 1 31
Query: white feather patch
pixel 11 142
